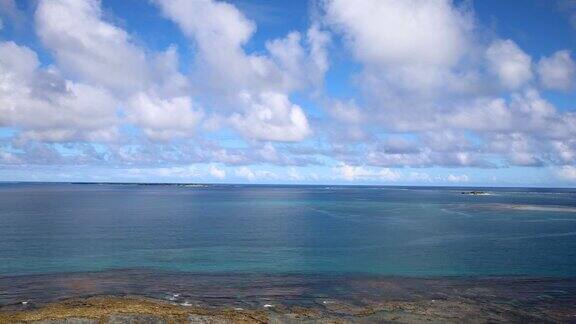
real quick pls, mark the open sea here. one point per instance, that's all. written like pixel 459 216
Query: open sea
pixel 61 240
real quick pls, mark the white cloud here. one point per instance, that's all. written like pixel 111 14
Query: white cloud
pixel 567 173
pixel 217 172
pixel 419 177
pixel 177 173
pixel 352 173
pixel 512 65
pixel 384 159
pixel 525 111
pixel 402 91
pixel 318 41
pixel 271 117
pixel 251 175
pixel 210 21
pixel 434 89
pixel 246 173
pixel 397 43
pixel 523 129
pixel 292 57
pixel 99 53
pixel 47 107
pixel 566 150
pixel 163 118
pixel 408 87
pixel 90 48
pixel 268 153
pixel 389 175
pixel 557 71
pixel 219 31
pixel 263 81
pixel 347 111
pixel 294 175
pixel 457 178
pixel 401 33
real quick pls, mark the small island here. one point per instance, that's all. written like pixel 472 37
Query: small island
pixel 475 193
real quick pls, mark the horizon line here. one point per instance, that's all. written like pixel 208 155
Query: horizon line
pixel 271 184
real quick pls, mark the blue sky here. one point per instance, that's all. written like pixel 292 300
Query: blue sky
pixel 325 91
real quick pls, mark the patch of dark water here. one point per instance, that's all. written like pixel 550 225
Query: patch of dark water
pixel 242 290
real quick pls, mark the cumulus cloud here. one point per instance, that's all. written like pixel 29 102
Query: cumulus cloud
pixel 271 117
pixel 294 175
pixel 352 173
pixel 409 88
pixel 510 63
pixel 481 91
pixel 524 130
pixel 246 173
pixel 99 53
pixel 252 175
pixel 457 178
pixel 438 148
pixel 263 82
pixel 526 111
pixel 217 173
pixel 475 101
pixel 396 66
pixel 567 173
pixel 176 173
pixel 46 106
pixel 163 118
pixel 392 40
pixel 565 150
pixel 402 30
pixel 90 48
pixel 220 31
pixel 518 148
pixel 419 177
pixel 557 71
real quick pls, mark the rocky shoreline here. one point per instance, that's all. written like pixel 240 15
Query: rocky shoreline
pixel 136 309
pixel 138 296
pixel 132 309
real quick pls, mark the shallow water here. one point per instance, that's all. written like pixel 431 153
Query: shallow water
pixel 253 291
pixel 313 230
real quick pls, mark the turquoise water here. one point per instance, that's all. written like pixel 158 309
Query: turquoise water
pixel 56 228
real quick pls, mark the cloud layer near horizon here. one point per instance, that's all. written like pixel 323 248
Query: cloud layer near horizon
pixel 433 88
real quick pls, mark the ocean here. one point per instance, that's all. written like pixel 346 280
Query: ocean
pixel 316 235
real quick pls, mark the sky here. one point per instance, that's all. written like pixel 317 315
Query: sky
pixel 376 92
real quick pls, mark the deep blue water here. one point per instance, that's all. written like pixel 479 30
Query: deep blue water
pixel 56 228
